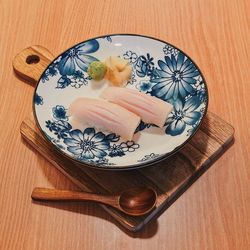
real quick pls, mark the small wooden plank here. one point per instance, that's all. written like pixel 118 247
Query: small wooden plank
pixel 170 177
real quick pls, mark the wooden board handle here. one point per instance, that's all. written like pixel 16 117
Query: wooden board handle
pixel 30 63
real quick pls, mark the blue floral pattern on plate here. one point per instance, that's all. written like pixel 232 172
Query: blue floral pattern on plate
pixel 130 56
pixel 78 57
pixel 170 50
pixel 59 112
pixel 175 78
pixel 72 66
pixel 108 38
pixel 87 145
pixel 158 69
pixel 144 65
pixel 184 114
pixel 149 157
pixel 38 99
pixel 144 86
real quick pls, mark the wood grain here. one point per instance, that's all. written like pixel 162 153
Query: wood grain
pixel 31 62
pixel 214 213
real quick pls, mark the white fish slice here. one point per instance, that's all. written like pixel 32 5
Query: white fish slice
pixel 106 115
pixel 151 109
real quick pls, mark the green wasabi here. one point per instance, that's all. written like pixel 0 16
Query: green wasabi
pixel 97 70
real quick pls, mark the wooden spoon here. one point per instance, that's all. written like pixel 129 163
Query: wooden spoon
pixel 135 201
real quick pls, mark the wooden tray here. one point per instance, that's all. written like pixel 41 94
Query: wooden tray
pixel 170 177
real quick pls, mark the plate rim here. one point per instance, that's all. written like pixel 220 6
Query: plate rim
pixel 119 167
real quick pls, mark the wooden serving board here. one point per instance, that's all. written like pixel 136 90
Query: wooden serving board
pixel 170 177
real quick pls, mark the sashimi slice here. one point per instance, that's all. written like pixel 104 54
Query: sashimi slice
pixel 104 114
pixel 151 109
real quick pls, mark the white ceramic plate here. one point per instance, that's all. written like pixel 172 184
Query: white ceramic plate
pixel 159 69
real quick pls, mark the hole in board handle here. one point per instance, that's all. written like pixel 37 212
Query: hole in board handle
pixel 32 59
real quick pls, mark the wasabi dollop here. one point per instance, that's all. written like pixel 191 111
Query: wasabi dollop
pixel 97 70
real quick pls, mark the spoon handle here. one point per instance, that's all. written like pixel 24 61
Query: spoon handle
pixel 47 194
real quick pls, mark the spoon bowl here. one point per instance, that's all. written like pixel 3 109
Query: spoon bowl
pixel 136 201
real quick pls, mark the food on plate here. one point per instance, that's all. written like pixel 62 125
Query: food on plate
pixel 104 115
pixel 115 69
pixel 97 70
pixel 118 70
pixel 151 109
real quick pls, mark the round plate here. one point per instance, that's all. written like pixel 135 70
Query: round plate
pixel 159 69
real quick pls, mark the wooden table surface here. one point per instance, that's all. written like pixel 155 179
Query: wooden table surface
pixel 215 212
